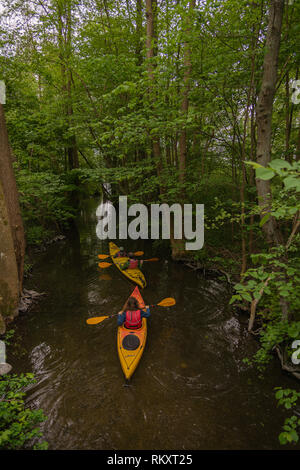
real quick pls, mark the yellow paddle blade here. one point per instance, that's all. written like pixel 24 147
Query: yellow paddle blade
pixel 138 253
pixel 103 256
pixel 151 259
pixel 168 302
pixel 104 265
pixel 95 320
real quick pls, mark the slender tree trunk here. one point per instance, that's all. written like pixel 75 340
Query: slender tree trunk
pixel 298 146
pixel 243 155
pixel 139 31
pixel 185 97
pixel 252 158
pixel 264 115
pixel 64 29
pixel 72 149
pixel 151 46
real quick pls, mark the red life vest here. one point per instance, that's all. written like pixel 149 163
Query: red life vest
pixel 133 319
pixel 133 264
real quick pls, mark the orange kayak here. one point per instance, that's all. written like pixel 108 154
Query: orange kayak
pixel 131 343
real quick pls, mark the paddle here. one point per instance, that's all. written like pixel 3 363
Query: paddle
pixel 137 253
pixel 107 265
pixel 151 259
pixel 167 302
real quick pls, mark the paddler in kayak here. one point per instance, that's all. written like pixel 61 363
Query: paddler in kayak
pixel 132 264
pixel 133 314
pixel 121 253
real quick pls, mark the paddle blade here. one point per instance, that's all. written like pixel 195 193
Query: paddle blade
pixel 151 259
pixel 168 302
pixel 103 256
pixel 104 265
pixel 95 320
pixel 138 253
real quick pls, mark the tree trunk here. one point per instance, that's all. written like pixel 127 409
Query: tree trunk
pixel 139 32
pixel 264 126
pixel 243 152
pixel 178 246
pixel 151 46
pixel 185 98
pixel 64 29
pixel 12 240
pixel 298 147
pixel 264 115
pixel 10 191
pixel 9 280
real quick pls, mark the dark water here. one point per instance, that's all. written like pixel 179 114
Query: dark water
pixel 191 389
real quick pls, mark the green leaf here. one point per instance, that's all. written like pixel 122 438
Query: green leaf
pixel 279 394
pixel 264 173
pixel 247 296
pixel 254 165
pixel 292 182
pixel 278 164
pixel 294 435
pixel 282 438
pixel 265 219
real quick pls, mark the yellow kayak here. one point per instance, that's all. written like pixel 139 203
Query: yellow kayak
pixel 131 343
pixel 135 275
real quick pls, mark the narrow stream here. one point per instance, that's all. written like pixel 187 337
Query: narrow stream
pixel 191 389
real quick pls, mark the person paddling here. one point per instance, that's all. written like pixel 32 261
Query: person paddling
pixel 132 316
pixel 132 264
pixel 121 253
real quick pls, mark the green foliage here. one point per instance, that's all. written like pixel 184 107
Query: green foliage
pixel 288 399
pixel 19 426
pixel 290 434
pixel 45 202
pixel 276 279
pixel 277 275
pixel 8 336
pixel 288 172
pixel 275 333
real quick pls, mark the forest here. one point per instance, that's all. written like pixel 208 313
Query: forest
pixel 166 101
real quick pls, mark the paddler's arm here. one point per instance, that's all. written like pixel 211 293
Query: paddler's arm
pixel 146 313
pixel 121 318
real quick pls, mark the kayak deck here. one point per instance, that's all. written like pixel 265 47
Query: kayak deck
pixel 131 343
pixel 135 275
